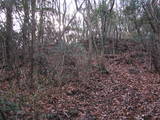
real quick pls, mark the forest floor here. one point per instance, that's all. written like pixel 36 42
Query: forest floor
pixel 129 92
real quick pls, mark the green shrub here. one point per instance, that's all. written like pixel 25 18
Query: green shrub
pixel 7 107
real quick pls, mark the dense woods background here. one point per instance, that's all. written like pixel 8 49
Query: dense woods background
pixel 52 49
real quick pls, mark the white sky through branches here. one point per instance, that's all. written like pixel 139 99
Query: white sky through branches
pixel 71 9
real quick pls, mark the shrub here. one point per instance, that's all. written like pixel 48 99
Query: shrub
pixel 7 109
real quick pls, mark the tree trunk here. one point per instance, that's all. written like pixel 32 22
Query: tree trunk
pixel 89 23
pixel 25 33
pixel 155 55
pixel 9 30
pixel 32 81
pixel 41 29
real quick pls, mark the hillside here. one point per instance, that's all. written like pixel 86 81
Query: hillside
pixel 128 91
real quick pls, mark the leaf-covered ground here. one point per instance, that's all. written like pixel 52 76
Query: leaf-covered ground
pixel 129 92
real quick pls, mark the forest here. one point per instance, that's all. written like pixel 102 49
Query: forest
pixel 79 59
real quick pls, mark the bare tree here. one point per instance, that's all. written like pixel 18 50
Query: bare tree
pixel 151 8
pixel 9 30
pixel 33 39
pixel 41 24
pixel 25 27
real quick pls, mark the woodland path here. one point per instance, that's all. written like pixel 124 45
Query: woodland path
pixel 128 92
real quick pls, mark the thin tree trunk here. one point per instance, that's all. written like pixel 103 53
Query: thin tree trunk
pixel 41 26
pixel 90 30
pixel 32 81
pixel 9 30
pixel 25 33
